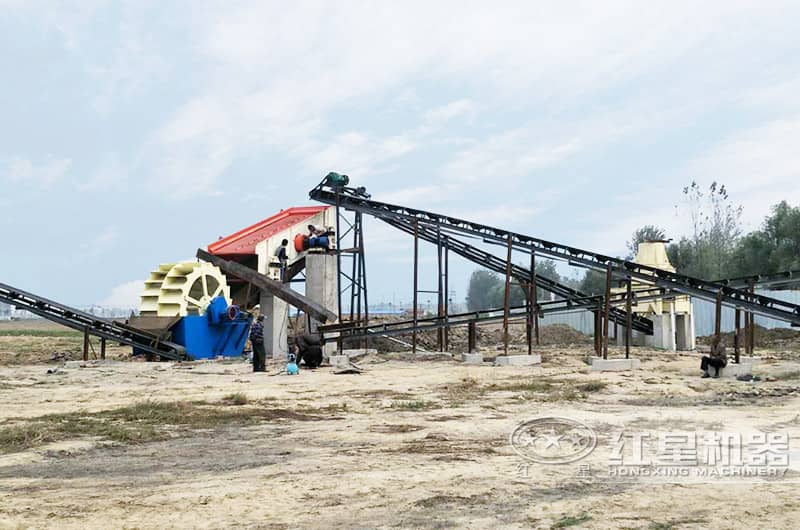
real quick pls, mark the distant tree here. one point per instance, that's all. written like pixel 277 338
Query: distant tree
pixel 716 229
pixel 594 282
pixel 480 292
pixel 782 229
pixel 546 269
pixel 645 233
pixel 773 248
pixel 517 295
pixel 487 289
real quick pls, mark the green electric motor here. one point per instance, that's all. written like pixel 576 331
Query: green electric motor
pixel 337 180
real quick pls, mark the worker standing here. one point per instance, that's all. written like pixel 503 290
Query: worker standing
pixel 283 258
pixel 257 341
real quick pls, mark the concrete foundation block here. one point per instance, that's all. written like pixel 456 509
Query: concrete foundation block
pixel 613 365
pixel 517 360
pixel 358 352
pixel 745 367
pixel 472 358
pixel 339 361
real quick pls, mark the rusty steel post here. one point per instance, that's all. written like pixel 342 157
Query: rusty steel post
pixel 597 327
pixel 752 334
pixel 472 337
pixel 718 316
pixel 102 348
pixel 85 344
pixel 534 299
pixel 446 296
pixel 440 287
pixel 507 296
pixel 737 334
pixel 416 280
pixel 607 312
pixel 628 317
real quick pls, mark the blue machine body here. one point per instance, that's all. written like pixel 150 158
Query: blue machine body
pixel 319 242
pixel 222 331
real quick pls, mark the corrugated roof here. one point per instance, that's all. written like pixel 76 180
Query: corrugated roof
pixel 244 241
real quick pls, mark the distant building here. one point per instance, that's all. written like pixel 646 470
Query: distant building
pixel 5 312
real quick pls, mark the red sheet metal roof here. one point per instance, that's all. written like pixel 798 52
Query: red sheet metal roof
pixel 244 241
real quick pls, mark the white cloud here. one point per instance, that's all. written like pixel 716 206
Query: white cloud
pixel 438 117
pixel 126 295
pixel 43 174
pixel 274 73
pixel 110 174
pixel 357 154
pixel 509 155
pixel 98 245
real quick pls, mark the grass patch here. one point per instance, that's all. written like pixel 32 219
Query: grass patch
pixel 788 376
pixel 333 408
pixel 395 428
pixel 465 390
pixel 572 520
pixel 237 398
pixel 675 523
pixel 138 423
pixel 40 333
pixel 523 386
pixel 550 390
pixel 412 405
pixel 591 386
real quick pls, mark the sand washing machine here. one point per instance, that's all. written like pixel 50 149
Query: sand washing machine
pixel 189 303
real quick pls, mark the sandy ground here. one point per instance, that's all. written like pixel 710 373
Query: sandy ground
pixel 411 442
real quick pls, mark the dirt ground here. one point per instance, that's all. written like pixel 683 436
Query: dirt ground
pixel 413 441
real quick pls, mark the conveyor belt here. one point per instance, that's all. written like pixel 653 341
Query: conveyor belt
pixel 573 297
pixel 346 330
pixel 357 200
pixel 82 321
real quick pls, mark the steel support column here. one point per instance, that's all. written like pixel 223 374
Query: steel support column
pixel 607 311
pixel 507 296
pixel 416 286
pixel 628 318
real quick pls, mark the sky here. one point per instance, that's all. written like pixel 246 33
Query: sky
pixel 135 132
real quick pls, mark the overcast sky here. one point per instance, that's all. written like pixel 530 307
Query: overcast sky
pixel 135 132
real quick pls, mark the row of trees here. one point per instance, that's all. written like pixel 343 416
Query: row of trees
pixel 487 289
pixel 716 248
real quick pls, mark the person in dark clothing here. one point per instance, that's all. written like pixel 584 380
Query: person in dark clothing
pixel 716 360
pixel 257 341
pixel 308 350
pixel 283 258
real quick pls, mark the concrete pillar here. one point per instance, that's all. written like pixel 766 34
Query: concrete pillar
pixel 663 332
pixel 690 331
pixel 276 325
pixel 321 275
pixel 672 344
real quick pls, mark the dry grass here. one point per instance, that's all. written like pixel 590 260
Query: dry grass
pixel 788 376
pixel 572 520
pixel 412 405
pixel 41 333
pixel 591 386
pixel 139 423
pixel 237 398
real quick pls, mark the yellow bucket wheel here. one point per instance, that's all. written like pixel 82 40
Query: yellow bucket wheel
pixel 182 289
